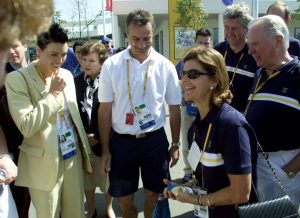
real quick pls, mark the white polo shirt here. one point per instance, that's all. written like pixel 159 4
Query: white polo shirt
pixel 162 86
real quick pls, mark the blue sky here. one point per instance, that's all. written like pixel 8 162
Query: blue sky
pixel 67 8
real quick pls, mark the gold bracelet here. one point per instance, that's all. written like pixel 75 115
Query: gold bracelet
pixel 208 201
pixel 200 199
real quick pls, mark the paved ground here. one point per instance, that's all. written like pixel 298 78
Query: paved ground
pixel 178 210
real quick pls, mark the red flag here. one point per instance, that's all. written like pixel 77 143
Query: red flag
pixel 108 5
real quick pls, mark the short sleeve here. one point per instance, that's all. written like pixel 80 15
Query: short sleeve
pixel 105 90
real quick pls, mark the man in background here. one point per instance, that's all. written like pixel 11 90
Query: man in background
pixel 14 138
pixel 17 56
pixel 108 45
pixel 281 9
pixel 76 48
pixel 241 66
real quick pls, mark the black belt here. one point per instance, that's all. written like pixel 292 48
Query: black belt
pixel 141 135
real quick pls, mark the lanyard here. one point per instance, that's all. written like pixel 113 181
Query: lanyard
pixel 128 83
pixel 237 65
pixel 259 87
pixel 204 147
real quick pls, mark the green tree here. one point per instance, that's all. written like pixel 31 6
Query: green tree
pixel 191 13
pixel 297 11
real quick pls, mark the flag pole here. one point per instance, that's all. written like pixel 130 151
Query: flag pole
pixel 103 17
pixel 255 9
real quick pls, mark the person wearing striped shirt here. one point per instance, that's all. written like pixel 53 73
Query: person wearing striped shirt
pixel 241 66
pixel 273 108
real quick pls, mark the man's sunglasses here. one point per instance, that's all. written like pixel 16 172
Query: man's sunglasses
pixel 193 73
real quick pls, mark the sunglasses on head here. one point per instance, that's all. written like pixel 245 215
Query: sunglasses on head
pixel 193 73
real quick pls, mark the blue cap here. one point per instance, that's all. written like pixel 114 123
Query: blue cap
pixel 106 40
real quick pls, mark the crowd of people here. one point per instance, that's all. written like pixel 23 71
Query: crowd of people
pixel 90 116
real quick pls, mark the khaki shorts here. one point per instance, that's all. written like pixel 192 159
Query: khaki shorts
pixel 91 181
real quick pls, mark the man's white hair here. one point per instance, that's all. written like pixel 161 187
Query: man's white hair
pixel 273 26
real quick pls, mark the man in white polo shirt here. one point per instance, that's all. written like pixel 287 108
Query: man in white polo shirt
pixel 134 86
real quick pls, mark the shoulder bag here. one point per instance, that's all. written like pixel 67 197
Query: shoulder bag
pixel 281 207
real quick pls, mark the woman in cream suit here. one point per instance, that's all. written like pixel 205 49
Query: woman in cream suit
pixel 42 102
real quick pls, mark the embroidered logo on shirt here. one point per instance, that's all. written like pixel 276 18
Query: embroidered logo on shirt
pixel 284 90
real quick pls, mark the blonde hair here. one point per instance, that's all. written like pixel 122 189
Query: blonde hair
pixel 213 62
pixel 23 18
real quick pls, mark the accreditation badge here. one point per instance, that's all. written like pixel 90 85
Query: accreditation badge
pixel 199 210
pixel 143 116
pixel 67 144
pixel 194 155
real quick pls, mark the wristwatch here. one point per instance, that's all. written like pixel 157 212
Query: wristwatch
pixel 6 154
pixel 291 175
pixel 175 144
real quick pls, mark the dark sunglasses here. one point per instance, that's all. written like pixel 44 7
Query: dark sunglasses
pixel 193 73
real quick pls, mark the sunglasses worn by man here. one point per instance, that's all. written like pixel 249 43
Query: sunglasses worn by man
pixel 193 73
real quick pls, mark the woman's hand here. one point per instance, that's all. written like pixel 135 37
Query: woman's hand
pixel 179 193
pixel 57 85
pixel 92 140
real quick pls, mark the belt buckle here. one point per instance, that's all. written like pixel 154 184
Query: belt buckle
pixel 140 135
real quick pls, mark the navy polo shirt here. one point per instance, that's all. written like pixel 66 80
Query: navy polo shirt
pixel 294 48
pixel 245 68
pixel 231 149
pixel 274 112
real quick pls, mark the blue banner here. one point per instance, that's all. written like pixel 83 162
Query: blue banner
pixel 227 2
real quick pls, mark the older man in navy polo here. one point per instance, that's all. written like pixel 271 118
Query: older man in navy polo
pixel 273 108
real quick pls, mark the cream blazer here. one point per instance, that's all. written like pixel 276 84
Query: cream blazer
pixel 34 111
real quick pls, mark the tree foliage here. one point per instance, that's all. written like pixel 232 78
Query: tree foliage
pixel 191 13
pixel 297 11
pixel 84 18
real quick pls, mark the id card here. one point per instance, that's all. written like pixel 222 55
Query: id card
pixel 143 116
pixel 199 210
pixel 67 145
pixel 194 155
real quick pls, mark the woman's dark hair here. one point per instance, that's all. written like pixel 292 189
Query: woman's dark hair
pixel 54 34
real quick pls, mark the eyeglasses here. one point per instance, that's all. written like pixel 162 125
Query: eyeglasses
pixel 193 73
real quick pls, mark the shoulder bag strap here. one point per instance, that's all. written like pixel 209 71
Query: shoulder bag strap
pixel 272 169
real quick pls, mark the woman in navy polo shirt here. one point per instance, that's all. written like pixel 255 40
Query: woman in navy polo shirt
pixel 220 138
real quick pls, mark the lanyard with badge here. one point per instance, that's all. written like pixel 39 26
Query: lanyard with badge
pixel 141 112
pixel 66 137
pixel 236 67
pixel 194 156
pixel 259 87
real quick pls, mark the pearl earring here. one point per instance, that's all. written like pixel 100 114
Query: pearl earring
pixel 211 88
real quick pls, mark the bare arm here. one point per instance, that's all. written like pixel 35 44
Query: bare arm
pixel 175 121
pixel 236 193
pixel 104 123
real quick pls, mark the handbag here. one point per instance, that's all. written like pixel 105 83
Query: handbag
pixel 281 207
pixel 162 209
